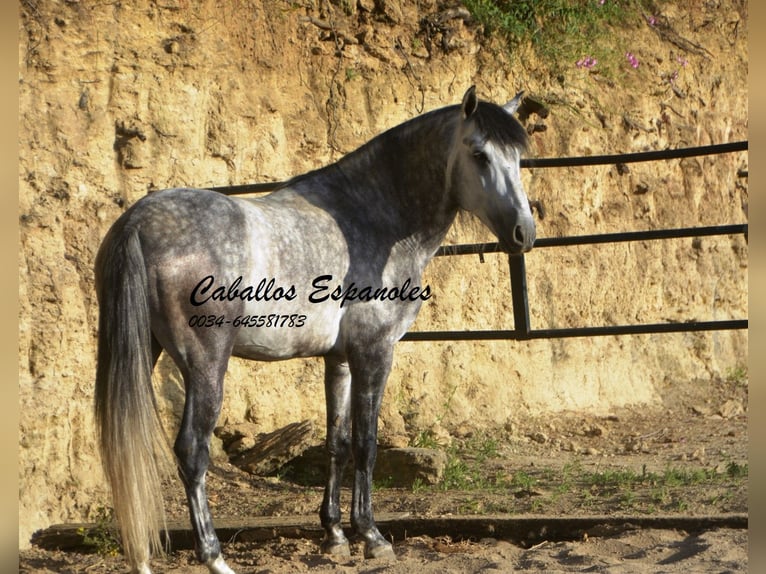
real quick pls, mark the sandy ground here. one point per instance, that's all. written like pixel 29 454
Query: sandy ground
pixel 539 467
pixel 655 551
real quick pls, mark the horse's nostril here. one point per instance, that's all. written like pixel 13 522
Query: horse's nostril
pixel 519 235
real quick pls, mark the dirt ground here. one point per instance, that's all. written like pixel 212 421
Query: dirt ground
pixel 688 458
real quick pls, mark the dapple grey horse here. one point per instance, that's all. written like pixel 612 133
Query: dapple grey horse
pixel 328 265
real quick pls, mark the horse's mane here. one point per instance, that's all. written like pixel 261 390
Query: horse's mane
pixel 491 119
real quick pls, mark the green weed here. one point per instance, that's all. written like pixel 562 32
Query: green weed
pixel 561 31
pixel 524 482
pixel 426 439
pixel 382 483
pixel 737 376
pixel 734 470
pixel 101 538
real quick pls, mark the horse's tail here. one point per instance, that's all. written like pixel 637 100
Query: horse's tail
pixel 132 442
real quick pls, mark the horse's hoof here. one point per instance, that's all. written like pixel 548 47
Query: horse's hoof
pixel 335 548
pixel 218 566
pixel 379 550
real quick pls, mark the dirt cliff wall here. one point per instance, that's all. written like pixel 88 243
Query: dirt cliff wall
pixel 117 99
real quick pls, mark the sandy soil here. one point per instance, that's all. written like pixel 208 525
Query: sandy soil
pixel 723 550
pixel 539 467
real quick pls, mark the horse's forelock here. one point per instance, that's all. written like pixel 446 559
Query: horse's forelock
pixel 500 126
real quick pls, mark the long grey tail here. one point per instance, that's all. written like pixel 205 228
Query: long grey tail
pixel 132 443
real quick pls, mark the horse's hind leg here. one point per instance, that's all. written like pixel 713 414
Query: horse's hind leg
pixel 337 394
pixel 204 395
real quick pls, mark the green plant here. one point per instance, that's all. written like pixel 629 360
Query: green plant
pixel 737 376
pixel 628 499
pixel 418 486
pixel 381 483
pixel 524 482
pixel 470 506
pixel 680 477
pixel 426 439
pixel 465 469
pixel 734 470
pixel 457 474
pixel 660 496
pixel 612 478
pixel 562 31
pixel 101 538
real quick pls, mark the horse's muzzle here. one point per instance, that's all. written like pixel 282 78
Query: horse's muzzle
pixel 520 240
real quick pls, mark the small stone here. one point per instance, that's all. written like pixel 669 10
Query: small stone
pixel 701 410
pixel 731 409
pixel 595 430
pixel 394 441
pixel 632 445
pixel 539 437
pixel 641 188
pixel 240 445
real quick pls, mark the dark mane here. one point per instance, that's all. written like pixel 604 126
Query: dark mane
pixel 500 126
pixel 491 120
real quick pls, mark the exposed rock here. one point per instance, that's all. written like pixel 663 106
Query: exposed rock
pixel 538 436
pixel 271 451
pixel 594 430
pixel 404 466
pixel 731 408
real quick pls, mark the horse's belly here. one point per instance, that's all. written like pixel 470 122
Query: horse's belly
pixel 284 333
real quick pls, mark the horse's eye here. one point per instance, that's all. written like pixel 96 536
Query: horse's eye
pixel 481 157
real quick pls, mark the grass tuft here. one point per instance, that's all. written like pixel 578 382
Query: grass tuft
pixel 562 32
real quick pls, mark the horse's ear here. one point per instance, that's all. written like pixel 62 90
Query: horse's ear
pixel 514 104
pixel 470 102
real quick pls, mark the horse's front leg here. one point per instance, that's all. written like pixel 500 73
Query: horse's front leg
pixel 337 394
pixel 369 371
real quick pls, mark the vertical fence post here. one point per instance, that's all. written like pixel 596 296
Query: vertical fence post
pixel 518 270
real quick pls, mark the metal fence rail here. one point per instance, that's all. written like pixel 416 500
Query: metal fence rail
pixel 522 325
pixel 522 328
pixel 635 157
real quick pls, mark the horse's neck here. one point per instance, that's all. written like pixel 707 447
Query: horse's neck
pixel 401 177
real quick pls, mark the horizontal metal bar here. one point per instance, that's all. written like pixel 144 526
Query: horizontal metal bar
pixel 647 235
pixel 500 335
pixel 248 188
pixel 634 157
pixel 541 162
pixel 474 248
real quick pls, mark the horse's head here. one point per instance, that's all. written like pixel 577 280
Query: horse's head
pixel 484 170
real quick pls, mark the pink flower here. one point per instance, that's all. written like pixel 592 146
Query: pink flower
pixel 587 62
pixel 632 59
pixel 652 20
